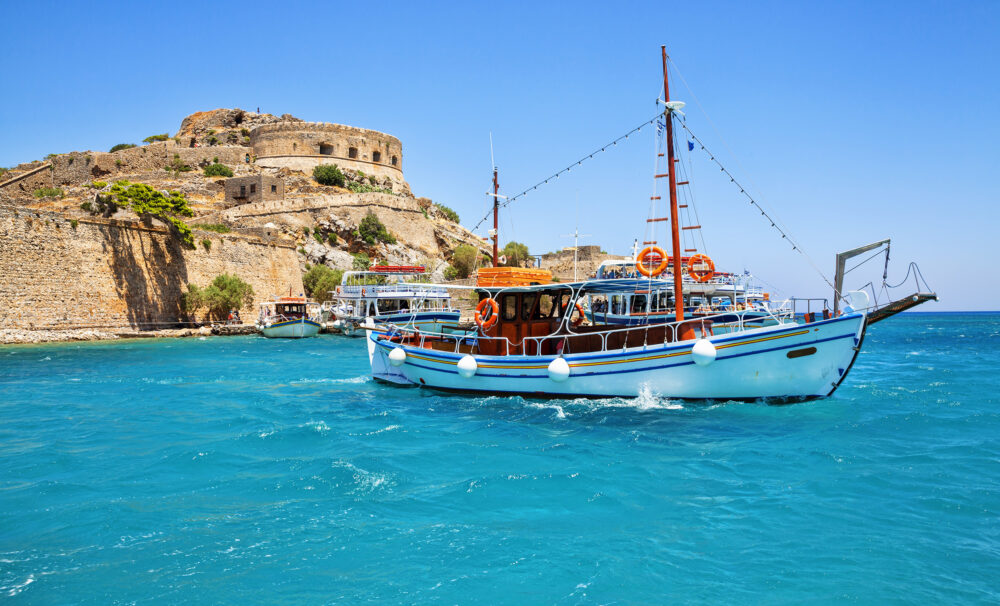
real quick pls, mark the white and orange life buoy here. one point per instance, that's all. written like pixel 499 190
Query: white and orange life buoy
pixel 580 315
pixel 701 268
pixel 647 257
pixel 486 321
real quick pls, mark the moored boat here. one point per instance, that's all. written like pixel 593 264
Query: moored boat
pixel 289 317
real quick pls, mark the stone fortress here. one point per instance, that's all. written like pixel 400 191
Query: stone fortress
pixel 122 270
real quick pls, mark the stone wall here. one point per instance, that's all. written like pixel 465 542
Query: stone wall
pixel 114 273
pixel 247 190
pixel 588 259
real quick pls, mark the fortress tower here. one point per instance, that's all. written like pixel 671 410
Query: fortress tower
pixel 304 145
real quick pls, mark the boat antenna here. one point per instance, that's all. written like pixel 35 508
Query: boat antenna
pixel 675 241
pixel 576 238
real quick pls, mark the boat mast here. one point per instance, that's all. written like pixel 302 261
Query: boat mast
pixel 496 215
pixel 675 239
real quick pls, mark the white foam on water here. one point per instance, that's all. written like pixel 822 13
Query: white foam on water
pixel 383 430
pixel 317 426
pixel 560 413
pixel 16 589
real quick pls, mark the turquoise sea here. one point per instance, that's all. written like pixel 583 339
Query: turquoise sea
pixel 254 471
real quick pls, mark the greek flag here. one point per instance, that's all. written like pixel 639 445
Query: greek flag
pixel 690 145
pixel 659 127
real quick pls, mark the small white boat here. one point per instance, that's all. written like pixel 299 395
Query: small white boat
pixel 289 318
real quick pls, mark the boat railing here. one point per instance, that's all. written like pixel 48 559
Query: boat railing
pixel 671 331
pixel 812 307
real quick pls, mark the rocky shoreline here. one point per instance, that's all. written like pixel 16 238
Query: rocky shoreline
pixel 9 336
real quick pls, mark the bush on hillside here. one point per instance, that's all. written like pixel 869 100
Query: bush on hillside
pixel 447 212
pixel 329 174
pixel 516 253
pixel 121 146
pixel 226 292
pixel 48 192
pixel 152 138
pixel 219 228
pixel 361 262
pixel 144 200
pixel 463 261
pixel 320 281
pixel 218 170
pixel 373 231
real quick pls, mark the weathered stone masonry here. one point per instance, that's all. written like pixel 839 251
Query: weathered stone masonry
pixel 113 273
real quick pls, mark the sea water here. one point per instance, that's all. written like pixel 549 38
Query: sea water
pixel 255 471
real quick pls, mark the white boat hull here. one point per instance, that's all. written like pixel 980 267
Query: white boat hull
pixel 293 329
pixel 787 361
pixel 427 322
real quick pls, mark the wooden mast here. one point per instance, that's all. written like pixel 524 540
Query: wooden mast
pixel 496 215
pixel 675 239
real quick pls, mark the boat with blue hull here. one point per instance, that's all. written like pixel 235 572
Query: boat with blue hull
pixel 396 295
pixel 289 318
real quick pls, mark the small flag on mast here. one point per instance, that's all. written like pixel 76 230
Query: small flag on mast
pixel 690 145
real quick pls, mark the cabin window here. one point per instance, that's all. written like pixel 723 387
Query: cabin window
pixel 638 304
pixel 352 152
pixel 545 306
pixel 325 149
pixel 527 305
pixel 376 156
pixel 508 307
pixel 616 304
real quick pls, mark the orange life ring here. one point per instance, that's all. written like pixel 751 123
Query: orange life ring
pixel 362 292
pixel 697 270
pixel 484 322
pixel 579 319
pixel 641 261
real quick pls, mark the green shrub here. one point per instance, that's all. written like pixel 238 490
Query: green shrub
pixel 329 174
pixel 463 261
pixel 331 238
pixel 320 280
pixel 451 273
pixel 302 251
pixel 372 230
pixel 121 146
pixel 98 184
pixel 207 244
pixel 213 140
pixel 50 156
pixel 3 170
pixel 361 262
pixel 219 228
pixel 87 207
pixel 48 192
pixel 177 165
pixel 210 132
pixel 218 170
pixel 318 236
pixel 448 213
pixel 516 254
pixel 360 188
pixel 73 223
pixel 306 230
pixel 245 132
pixel 226 292
pixel 118 163
pixel 144 200
pixel 152 138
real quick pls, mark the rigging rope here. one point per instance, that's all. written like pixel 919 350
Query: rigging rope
pixel 754 203
pixel 567 169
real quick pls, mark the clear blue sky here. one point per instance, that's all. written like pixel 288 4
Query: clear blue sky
pixel 852 121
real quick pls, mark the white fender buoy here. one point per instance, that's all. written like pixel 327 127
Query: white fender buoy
pixel 338 324
pixel 467 366
pixel 558 370
pixel 703 352
pixel 397 356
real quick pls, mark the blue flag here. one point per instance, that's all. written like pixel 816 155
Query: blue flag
pixel 690 145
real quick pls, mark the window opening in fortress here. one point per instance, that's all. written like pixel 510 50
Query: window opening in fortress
pixel 253 189
pixel 376 156
pixel 243 191
pixel 326 149
pixel 193 142
pixel 352 152
pixel 274 189
pixel 395 160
